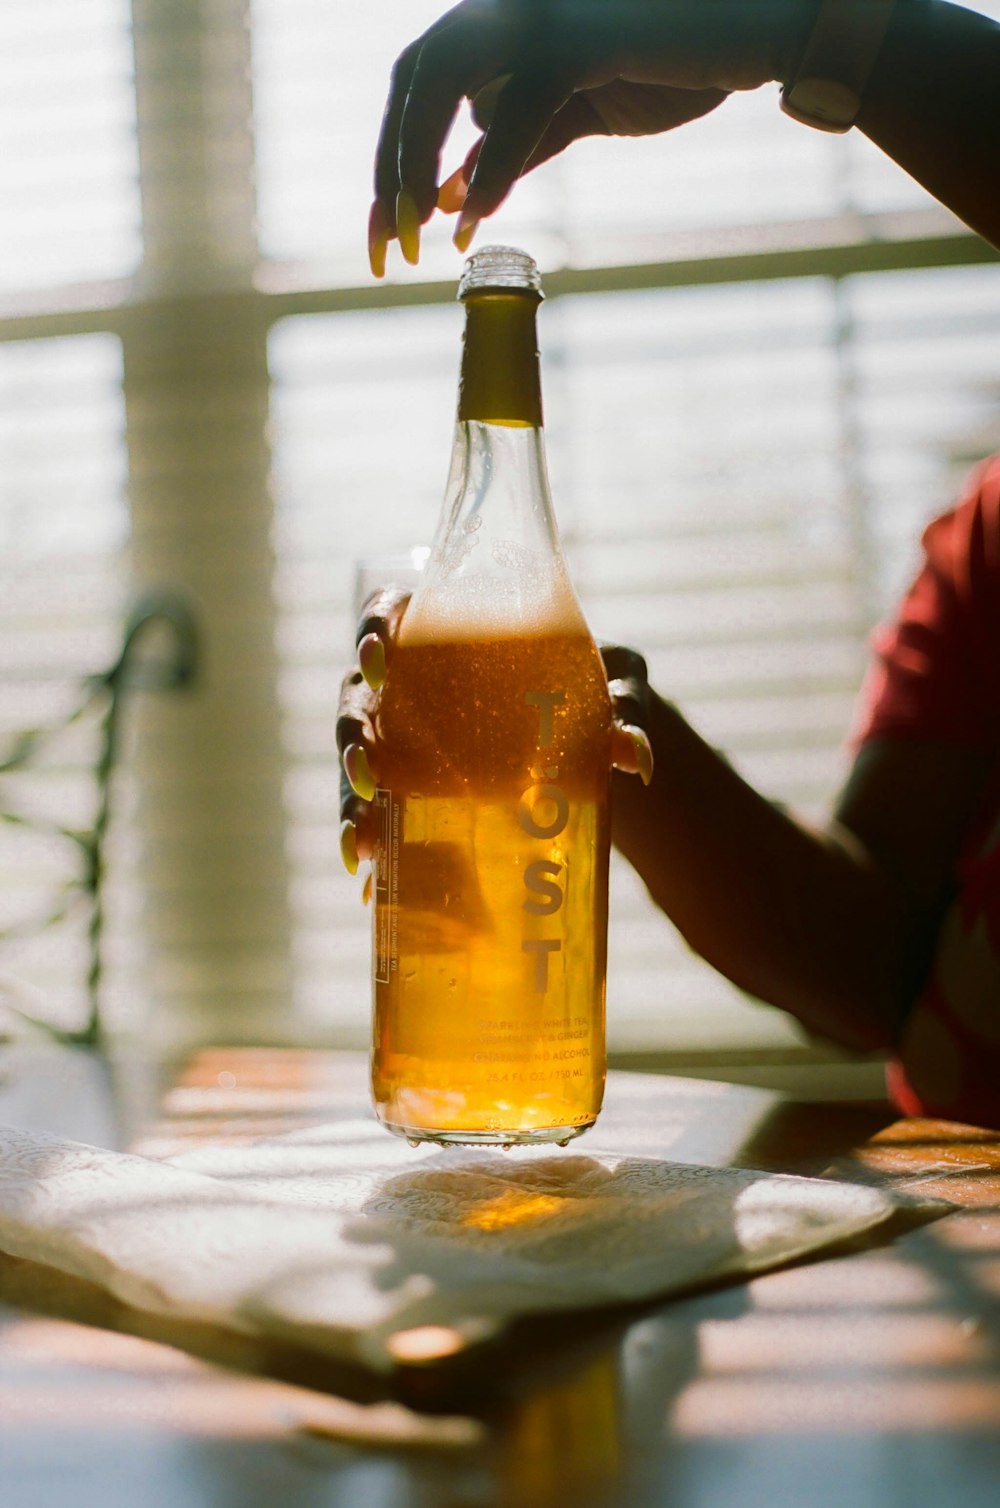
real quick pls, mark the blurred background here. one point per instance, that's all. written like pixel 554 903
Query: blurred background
pixel 768 359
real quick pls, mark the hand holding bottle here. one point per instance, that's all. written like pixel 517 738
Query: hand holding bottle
pixel 376 633
pixel 544 73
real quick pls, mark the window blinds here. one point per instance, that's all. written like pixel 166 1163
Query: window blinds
pixel 68 171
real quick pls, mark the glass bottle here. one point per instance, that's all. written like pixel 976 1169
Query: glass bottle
pixel 494 728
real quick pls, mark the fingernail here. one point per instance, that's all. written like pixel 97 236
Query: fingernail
pixel 466 229
pixel 371 658
pixel 408 227
pixel 349 846
pixel 643 752
pixel 359 771
pixel 366 889
pixel 378 238
pixel 451 194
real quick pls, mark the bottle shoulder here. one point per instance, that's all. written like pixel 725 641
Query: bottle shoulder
pixel 529 596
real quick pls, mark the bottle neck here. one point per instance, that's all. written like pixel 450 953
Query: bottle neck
pixel 495 564
pixel 500 382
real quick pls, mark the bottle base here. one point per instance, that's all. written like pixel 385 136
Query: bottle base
pixel 535 1137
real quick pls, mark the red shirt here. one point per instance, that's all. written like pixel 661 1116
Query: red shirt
pixel 938 676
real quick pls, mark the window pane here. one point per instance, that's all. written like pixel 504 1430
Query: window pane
pixel 925 379
pixel 68 168
pixel 320 75
pixel 709 520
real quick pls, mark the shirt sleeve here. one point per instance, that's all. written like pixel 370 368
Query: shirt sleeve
pixel 935 669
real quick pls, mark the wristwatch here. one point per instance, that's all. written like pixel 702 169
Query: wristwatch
pixel 829 83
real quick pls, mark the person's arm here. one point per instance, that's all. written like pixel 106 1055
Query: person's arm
pixel 834 925
pixel 546 73
pixel 839 925
pixel 932 103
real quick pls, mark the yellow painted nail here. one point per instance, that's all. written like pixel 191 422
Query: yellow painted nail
pixel 349 846
pixel 451 194
pixel 378 238
pixel 359 771
pixel 371 658
pixel 366 889
pixel 643 753
pixel 408 227
pixel 465 230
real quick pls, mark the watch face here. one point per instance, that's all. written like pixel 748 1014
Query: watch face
pixel 821 102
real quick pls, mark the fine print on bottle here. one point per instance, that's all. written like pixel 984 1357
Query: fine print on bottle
pixel 494 728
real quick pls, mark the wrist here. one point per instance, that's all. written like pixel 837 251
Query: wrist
pixel 670 734
pixel 798 22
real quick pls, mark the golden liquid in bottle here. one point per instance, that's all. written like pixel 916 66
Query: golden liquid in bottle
pixel 490 919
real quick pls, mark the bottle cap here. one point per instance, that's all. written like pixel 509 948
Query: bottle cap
pixel 500 267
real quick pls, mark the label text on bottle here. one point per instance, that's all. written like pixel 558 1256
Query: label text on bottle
pixel 543 812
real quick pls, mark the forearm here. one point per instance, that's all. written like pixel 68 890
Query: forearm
pixel 933 105
pixel 800 919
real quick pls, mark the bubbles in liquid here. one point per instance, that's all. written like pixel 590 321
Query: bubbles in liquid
pixel 532 600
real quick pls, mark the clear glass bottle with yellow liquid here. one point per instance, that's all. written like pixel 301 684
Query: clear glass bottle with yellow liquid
pixel 494 729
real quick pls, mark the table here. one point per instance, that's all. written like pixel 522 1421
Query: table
pixel 868 1378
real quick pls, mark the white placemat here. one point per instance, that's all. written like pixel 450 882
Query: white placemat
pixel 339 1238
